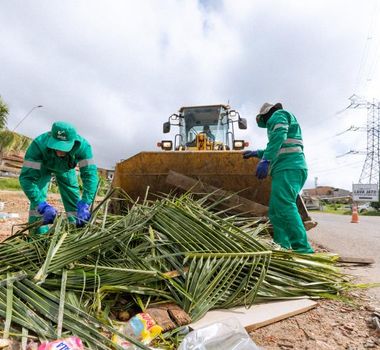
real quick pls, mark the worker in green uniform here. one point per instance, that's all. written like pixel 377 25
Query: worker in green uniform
pixel 284 159
pixel 57 153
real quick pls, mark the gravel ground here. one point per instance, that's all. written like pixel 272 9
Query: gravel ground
pixel 337 234
pixel 332 325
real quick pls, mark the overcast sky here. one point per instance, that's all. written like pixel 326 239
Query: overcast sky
pixel 118 69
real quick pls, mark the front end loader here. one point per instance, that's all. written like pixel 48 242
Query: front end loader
pixel 204 148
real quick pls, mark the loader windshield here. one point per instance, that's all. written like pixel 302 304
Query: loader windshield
pixel 211 120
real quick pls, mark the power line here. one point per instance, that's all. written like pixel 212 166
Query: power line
pixel 338 165
pixel 351 151
pixel 373 64
pixel 367 47
pixel 329 116
pixel 337 168
pixel 351 128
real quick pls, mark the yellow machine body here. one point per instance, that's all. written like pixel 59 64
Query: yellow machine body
pixel 223 169
pixel 213 158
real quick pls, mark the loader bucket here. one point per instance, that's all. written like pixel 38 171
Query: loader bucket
pixel 222 169
pixel 226 170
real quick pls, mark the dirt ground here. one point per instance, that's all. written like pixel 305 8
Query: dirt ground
pixel 331 325
pixel 17 203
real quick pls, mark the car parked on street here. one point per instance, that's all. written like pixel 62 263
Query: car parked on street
pixel 365 207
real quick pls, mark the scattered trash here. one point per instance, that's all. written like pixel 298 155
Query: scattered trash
pixel 228 334
pixel 168 316
pixel 4 216
pixel 124 316
pixel 376 322
pixel 4 343
pixel 71 343
pixel 32 345
pixel 141 327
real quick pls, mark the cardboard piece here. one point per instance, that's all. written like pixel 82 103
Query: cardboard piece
pixel 168 315
pixel 162 318
pixel 259 315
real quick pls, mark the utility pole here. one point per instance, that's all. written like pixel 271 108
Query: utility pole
pixel 26 116
pixel 316 184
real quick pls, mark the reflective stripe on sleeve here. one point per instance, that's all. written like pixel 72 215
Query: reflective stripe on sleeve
pixel 290 150
pixel 71 213
pixel 295 141
pixel 277 126
pixel 32 164
pixel 85 162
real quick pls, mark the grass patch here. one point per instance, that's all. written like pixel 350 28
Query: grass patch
pixel 336 209
pixel 10 184
pixel 370 213
pixel 341 209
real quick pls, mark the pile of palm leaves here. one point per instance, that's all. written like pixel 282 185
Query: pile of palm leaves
pixel 180 250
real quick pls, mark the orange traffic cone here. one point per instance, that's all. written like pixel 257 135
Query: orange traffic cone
pixel 355 215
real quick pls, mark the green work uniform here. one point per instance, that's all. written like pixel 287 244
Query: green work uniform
pixel 42 162
pixel 289 172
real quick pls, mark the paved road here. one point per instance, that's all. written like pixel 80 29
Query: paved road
pixel 339 235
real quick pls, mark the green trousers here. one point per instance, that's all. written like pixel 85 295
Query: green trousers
pixel 70 194
pixel 289 231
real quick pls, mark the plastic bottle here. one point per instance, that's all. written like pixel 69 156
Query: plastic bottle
pixel 141 327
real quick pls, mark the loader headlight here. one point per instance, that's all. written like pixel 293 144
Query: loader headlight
pixel 166 145
pixel 239 144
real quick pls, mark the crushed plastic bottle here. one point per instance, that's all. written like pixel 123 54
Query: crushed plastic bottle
pixel 141 327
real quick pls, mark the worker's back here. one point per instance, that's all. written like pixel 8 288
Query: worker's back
pixel 290 155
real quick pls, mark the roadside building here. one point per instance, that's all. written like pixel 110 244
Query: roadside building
pixel 328 194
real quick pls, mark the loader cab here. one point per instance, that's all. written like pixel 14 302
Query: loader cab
pixel 205 128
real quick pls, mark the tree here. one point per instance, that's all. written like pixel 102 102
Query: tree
pixel 9 140
pixel 3 114
pixel 376 205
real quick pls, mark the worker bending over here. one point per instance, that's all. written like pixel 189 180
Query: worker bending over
pixel 57 153
pixel 285 160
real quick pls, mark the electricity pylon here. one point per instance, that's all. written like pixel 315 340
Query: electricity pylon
pixel 371 169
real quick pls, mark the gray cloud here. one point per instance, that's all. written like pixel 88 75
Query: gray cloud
pixel 118 69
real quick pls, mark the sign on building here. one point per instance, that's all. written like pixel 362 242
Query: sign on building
pixel 365 192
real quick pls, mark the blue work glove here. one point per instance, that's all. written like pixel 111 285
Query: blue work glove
pixel 250 154
pixel 83 214
pixel 48 212
pixel 262 169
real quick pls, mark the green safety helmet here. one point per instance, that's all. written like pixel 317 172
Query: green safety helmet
pixel 62 137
